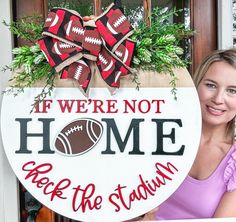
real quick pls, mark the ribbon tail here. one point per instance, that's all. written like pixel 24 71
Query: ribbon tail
pixel 111 69
pixel 81 73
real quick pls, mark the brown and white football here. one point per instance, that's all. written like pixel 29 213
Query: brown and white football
pixel 78 137
pixel 79 70
pixel 118 23
pixel 51 20
pixel 122 53
pixel 106 61
pixel 60 48
pixel 75 30
pixel 92 41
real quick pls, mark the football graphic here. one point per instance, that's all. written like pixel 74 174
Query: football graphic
pixel 79 70
pixel 51 20
pixel 75 30
pixel 118 23
pixel 78 137
pixel 106 61
pixel 60 48
pixel 92 41
pixel 122 53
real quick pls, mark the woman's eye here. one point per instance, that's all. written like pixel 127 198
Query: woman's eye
pixel 210 85
pixel 231 91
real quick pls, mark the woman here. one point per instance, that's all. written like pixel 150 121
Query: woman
pixel 210 188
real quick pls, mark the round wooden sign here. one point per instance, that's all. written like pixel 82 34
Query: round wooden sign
pixel 105 157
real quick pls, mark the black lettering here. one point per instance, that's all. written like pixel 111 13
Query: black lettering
pixel 161 136
pixel 24 135
pixel 134 127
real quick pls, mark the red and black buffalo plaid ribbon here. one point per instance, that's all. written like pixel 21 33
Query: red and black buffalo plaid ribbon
pixel 70 44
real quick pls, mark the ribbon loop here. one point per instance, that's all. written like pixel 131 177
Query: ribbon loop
pixel 69 43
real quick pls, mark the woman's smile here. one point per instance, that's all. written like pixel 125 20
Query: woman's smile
pixel 215 111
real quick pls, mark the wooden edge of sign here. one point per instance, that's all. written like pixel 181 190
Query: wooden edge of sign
pixel 153 79
pixel 146 79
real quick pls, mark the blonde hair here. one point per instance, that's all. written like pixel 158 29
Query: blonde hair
pixel 228 56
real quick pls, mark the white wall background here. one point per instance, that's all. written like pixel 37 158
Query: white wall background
pixel 225 24
pixel 8 183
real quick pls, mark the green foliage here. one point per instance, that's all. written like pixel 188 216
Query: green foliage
pixel 157 49
pixel 82 7
pixel 28 28
pixel 158 46
pixel 29 65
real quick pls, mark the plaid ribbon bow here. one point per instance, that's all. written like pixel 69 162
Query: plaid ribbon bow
pixel 72 45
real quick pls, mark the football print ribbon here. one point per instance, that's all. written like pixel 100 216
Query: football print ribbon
pixel 72 45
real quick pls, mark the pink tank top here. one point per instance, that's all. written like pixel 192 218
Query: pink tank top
pixel 200 198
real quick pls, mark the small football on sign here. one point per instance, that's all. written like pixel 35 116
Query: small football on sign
pixel 78 137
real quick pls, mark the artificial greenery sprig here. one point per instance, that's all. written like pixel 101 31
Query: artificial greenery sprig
pixel 29 65
pixel 28 28
pixel 158 46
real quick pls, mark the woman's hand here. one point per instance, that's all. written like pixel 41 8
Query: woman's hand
pixel 150 215
pixel 87 18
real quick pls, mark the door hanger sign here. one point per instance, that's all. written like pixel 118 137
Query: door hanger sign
pixel 106 157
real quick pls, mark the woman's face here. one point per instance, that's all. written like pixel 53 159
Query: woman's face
pixel 217 94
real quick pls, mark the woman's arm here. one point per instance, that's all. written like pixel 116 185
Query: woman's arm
pixel 227 205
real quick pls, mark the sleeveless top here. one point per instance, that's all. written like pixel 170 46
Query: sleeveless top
pixel 200 198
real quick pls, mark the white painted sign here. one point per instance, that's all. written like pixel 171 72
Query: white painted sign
pixel 105 158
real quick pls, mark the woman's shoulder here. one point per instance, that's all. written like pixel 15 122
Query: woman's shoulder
pixel 230 170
